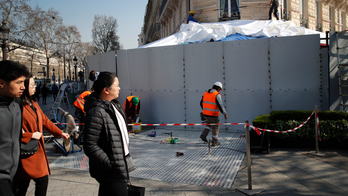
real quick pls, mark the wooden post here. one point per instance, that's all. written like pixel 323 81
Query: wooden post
pixel 249 190
pixel 248 154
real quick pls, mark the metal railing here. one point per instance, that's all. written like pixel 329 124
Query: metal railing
pixel 286 16
pixel 303 21
pixel 318 25
pixel 156 27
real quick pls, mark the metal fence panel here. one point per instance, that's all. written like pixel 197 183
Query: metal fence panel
pixel 166 84
pixel 247 79
pixel 295 70
pixel 203 66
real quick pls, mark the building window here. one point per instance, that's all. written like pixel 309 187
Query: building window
pixel 284 10
pixel 229 10
pixel 342 21
pixel 318 25
pixel 303 17
pixel 332 27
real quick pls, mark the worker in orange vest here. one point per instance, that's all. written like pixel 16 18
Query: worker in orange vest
pixel 80 111
pixel 212 104
pixel 131 106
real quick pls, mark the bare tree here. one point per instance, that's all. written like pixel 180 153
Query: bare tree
pixel 44 32
pixel 85 49
pixel 14 15
pixel 68 37
pixel 104 34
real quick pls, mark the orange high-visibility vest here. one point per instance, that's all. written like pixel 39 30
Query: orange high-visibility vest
pixel 130 102
pixel 80 101
pixel 210 106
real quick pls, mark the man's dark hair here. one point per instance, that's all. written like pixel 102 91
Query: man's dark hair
pixel 92 75
pixel 26 98
pixel 11 70
pixel 216 87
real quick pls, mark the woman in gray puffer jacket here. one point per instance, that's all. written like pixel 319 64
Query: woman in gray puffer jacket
pixel 105 136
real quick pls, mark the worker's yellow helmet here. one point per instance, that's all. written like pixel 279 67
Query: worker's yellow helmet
pixel 192 12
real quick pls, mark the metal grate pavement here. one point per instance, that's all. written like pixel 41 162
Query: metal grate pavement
pixel 159 161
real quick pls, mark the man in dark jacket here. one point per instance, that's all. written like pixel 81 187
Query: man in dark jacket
pixel 190 18
pixel 274 8
pixel 55 91
pixel 12 76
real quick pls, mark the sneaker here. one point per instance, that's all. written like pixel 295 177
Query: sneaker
pixel 204 138
pixel 215 143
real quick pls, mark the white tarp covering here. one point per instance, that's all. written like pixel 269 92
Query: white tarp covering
pixel 203 32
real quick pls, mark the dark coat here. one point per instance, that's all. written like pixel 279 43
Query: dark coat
pixel 10 134
pixel 103 143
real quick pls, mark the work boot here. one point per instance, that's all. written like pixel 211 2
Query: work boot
pixel 204 134
pixel 215 142
pixel 204 138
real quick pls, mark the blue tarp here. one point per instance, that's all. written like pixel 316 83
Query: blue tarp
pixel 238 36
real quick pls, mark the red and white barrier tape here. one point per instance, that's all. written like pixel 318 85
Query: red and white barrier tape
pixel 175 124
pixel 257 129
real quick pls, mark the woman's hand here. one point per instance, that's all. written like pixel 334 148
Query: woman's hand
pixel 36 135
pixel 65 136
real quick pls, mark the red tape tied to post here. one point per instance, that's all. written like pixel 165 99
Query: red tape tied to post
pixel 257 130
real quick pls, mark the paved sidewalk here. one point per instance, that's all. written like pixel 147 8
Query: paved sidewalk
pixel 282 172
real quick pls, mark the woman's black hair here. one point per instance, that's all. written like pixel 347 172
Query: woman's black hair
pixel 104 80
pixel 26 98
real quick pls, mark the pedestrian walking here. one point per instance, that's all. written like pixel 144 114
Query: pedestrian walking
pixel 55 91
pixel 106 141
pixel 12 76
pixel 44 91
pixel 37 92
pixel 35 167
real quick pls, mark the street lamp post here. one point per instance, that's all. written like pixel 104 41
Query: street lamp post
pixel 64 73
pixel 4 36
pixel 53 76
pixel 75 60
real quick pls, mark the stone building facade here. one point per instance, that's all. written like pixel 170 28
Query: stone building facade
pixel 164 17
pixel 35 60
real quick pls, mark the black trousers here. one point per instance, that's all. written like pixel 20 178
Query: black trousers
pixel 107 188
pixel 41 185
pixel 5 188
pixel 274 8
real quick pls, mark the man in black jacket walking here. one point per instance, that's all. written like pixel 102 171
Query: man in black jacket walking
pixel 12 76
